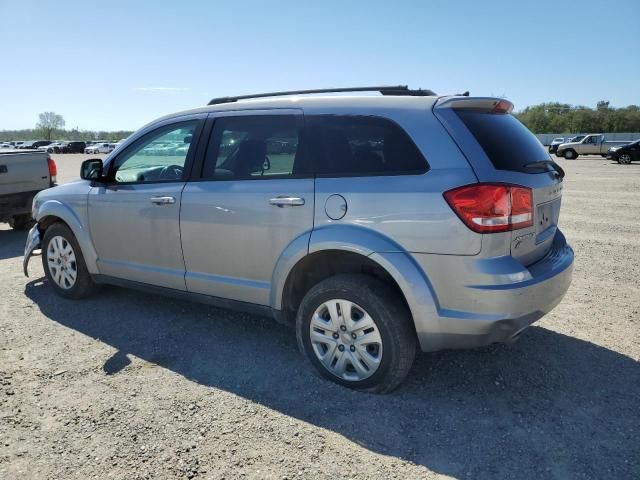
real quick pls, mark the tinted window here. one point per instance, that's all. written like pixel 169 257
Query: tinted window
pixel 160 156
pixel 255 147
pixel 507 142
pixel 359 146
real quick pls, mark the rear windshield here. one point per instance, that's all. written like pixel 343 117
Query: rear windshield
pixel 507 142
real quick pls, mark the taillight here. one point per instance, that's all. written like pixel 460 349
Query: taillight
pixel 53 169
pixel 490 208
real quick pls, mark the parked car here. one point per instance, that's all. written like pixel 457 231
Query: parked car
pixel 554 144
pixel 54 147
pixel 73 147
pixel 399 221
pixel 6 145
pixel 625 154
pixel 593 144
pixel 22 176
pixel 28 145
pixel 99 148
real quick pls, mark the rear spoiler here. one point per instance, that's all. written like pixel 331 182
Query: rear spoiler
pixel 484 104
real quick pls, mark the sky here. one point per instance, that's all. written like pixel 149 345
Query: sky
pixel 116 65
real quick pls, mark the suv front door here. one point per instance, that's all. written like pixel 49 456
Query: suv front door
pixel 254 198
pixel 134 217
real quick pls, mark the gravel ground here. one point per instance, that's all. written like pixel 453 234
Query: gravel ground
pixel 130 385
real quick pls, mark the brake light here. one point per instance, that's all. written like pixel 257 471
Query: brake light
pixel 503 106
pixel 490 208
pixel 53 169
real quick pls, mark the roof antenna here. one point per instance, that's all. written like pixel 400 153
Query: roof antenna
pixel 464 94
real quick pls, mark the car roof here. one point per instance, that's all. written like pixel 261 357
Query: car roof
pixel 317 104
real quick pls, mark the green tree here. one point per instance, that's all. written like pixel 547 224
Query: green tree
pixel 48 123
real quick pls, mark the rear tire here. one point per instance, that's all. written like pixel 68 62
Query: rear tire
pixel 21 222
pixel 570 154
pixel 64 264
pixel 373 356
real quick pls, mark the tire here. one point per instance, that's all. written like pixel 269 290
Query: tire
pixel 624 159
pixel 21 222
pixel 59 238
pixel 385 361
pixel 570 154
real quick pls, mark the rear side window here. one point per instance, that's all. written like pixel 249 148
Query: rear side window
pixel 255 147
pixel 344 145
pixel 507 142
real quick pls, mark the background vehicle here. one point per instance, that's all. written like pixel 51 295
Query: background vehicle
pixel 22 176
pixel 54 147
pixel 6 145
pixel 285 218
pixel 593 144
pixel 625 154
pixel 28 145
pixel 554 144
pixel 99 148
pixel 73 147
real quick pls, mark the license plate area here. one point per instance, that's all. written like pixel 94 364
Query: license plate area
pixel 547 219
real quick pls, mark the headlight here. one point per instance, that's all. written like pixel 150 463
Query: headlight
pixel 35 205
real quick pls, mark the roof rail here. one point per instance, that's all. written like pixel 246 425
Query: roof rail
pixel 385 90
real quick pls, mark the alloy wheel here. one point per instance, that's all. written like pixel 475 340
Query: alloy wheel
pixel 625 158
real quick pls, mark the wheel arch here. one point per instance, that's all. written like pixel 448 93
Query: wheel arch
pixel 54 211
pixel 348 249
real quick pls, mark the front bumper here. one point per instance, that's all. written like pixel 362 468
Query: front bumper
pixel 486 312
pixel 33 244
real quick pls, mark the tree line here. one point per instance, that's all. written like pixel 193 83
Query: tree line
pixel 50 126
pixel 551 117
pixel 564 118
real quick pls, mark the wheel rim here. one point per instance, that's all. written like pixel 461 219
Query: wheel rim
pixel 61 260
pixel 568 154
pixel 625 158
pixel 346 340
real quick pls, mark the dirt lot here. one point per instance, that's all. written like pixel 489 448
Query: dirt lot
pixel 130 385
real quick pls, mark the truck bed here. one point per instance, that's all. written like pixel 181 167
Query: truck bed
pixel 22 175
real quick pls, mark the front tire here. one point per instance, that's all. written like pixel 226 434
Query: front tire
pixel 624 159
pixel 356 331
pixel 64 264
pixel 570 154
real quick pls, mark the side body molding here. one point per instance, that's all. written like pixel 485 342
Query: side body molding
pixel 409 276
pixel 68 215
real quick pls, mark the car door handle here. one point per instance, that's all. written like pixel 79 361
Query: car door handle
pixel 163 200
pixel 287 201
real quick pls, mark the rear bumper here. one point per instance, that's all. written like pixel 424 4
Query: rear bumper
pixel 497 306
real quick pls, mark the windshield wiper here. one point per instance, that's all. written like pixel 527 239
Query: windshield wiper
pixel 546 164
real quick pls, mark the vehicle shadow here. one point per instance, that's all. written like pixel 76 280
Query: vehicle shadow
pixel 562 406
pixel 12 243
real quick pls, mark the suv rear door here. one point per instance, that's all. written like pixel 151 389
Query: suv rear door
pixel 253 197
pixel 500 149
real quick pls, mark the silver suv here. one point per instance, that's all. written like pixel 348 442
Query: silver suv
pixel 375 224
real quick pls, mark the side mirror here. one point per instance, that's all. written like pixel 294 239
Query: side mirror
pixel 91 169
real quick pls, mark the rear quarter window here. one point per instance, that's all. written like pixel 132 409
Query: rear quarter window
pixel 507 142
pixel 352 145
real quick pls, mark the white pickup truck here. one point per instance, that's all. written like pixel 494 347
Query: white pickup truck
pixel 22 175
pixel 592 144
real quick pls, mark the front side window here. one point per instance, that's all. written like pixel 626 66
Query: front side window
pixel 255 147
pixel 345 145
pixel 161 156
